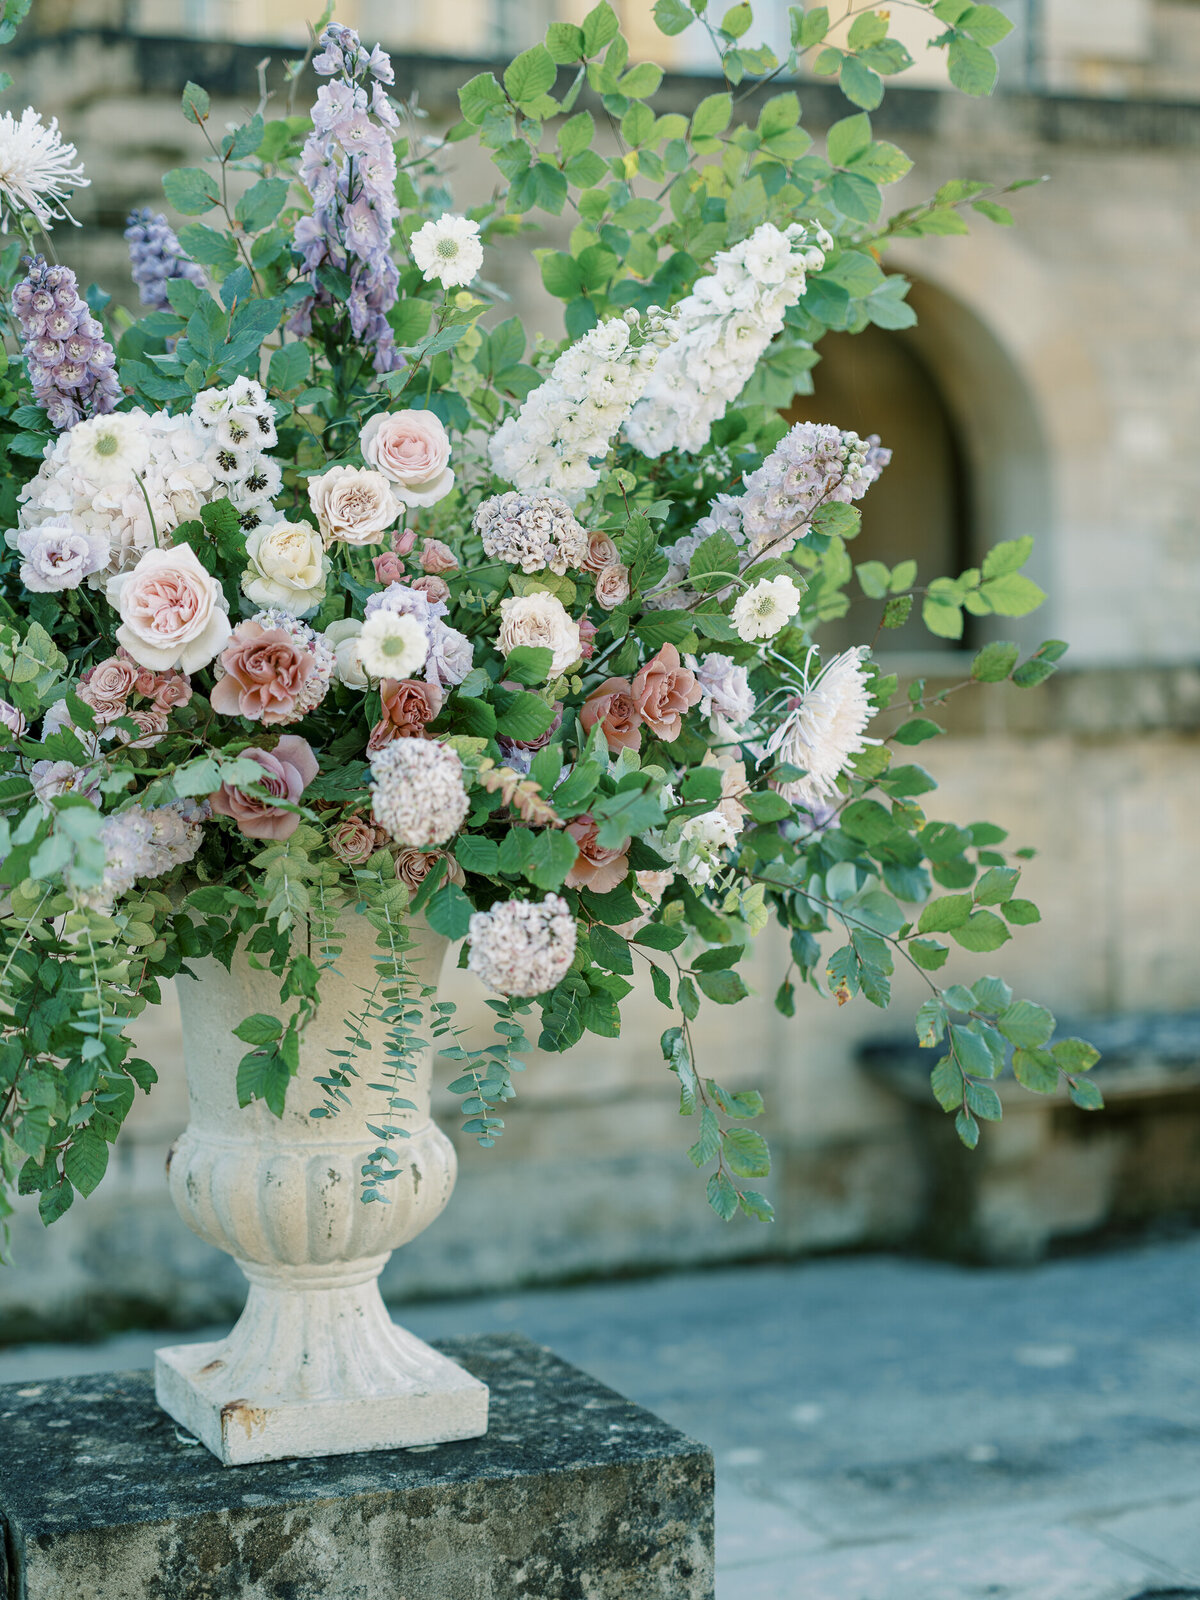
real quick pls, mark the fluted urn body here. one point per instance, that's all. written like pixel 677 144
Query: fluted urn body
pixel 314 1366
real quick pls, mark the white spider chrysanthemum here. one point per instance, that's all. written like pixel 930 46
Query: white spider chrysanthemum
pixel 448 250
pixel 764 608
pixel 38 169
pixel 417 791
pixel 824 729
pixel 522 947
pixel 392 645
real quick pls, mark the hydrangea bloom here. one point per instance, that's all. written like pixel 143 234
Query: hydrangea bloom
pixel 533 531
pixel 39 170
pixel 723 326
pixel 70 361
pixel 142 843
pixel 824 728
pixel 417 791
pixel 522 947
pixel 726 696
pixel 155 257
pixel 349 167
pixel 571 419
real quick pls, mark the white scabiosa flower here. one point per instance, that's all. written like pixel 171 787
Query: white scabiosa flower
pixel 764 608
pixel 522 947
pixel 39 170
pixel 417 791
pixel 392 645
pixel 448 250
pixel 109 450
pixel 823 730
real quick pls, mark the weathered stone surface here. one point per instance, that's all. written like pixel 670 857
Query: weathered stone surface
pixel 574 1494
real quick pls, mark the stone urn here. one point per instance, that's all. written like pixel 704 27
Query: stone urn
pixel 315 1366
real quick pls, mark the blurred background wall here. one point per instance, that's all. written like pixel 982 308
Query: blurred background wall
pixel 1052 387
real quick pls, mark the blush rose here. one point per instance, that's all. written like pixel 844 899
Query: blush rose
pixel 411 449
pixel 597 867
pixel 173 613
pixel 612 706
pixel 287 772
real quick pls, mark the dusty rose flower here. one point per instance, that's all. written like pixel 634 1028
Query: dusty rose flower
pixel 437 589
pixel 663 690
pixel 110 682
pixel 388 568
pixel 353 505
pixel 611 705
pixel 587 638
pixel 172 689
pixel 354 840
pixel 287 771
pixel 173 613
pixel 151 725
pixel 414 866
pixel 596 868
pixel 437 557
pixel 265 674
pixel 146 678
pixel 403 541
pixel 612 587
pixel 602 552
pixel 408 704
pixel 411 449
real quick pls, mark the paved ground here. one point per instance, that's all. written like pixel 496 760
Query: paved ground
pixel 895 1430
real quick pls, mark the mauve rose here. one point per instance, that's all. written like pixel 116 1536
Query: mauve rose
pixel 403 541
pixel 265 674
pixel 436 589
pixel 596 868
pixel 353 505
pixel 388 568
pixel 173 613
pixel 172 689
pixel 612 587
pixel 287 771
pixel 414 866
pixel 13 720
pixel 411 449
pixel 663 690
pixel 146 678
pixel 151 726
pixel 587 638
pixel 437 557
pixel 408 705
pixel 602 552
pixel 611 705
pixel 111 680
pixel 353 841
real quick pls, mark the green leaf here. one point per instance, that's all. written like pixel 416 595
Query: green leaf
pixel 530 75
pixel 1021 912
pixel 996 886
pixel 984 1101
pixel 813 27
pixel 765 805
pixel 714 561
pixel 1026 1024
pixel 722 1196
pixel 527 718
pixel 985 24
pixel 967 1129
pixel 942 617
pixel 994 662
pixel 1075 1055
pixel 725 987
pixel 609 950
pixel 1012 595
pixel 945 915
pixel 449 912
pixel 576 135
pixel 711 116
pixel 1036 1070
pixel 478 96
pixel 916 730
pixel 258 1029
pixel 756 1205
pixel 562 276
pixel 261 204
pixel 565 42
pixel 982 931
pixel 708 1144
pixel 746 1152
pixel 972 67
pixel 476 854
pixel 929 954
pixel 191 190
pixel 848 138
pixel 553 854
pixel 290 367
pixel 946 1081
pixel 1086 1095
pixel 85 1160
pixel 195 103
pixel 672 16
pixel 528 664
pixel 53 1202
pixel 859 84
pixel 600 27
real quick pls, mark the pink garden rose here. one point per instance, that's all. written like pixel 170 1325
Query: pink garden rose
pixel 437 558
pixel 287 771
pixel 611 705
pixel 411 449
pixel 407 704
pixel 106 687
pixel 602 552
pixel 355 839
pixel 612 587
pixel 434 589
pixel 388 568
pixel 265 672
pixel 173 613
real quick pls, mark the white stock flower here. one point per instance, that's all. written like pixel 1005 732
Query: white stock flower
pixel 539 619
pixel 39 170
pixel 287 567
pixel 824 729
pixel 448 250
pixel 392 645
pixel 764 608
pixel 522 947
pixel 417 791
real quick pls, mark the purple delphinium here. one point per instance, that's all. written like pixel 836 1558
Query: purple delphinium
pixel 70 361
pixel 349 168
pixel 155 257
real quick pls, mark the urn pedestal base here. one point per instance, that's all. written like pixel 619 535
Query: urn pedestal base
pixel 316 1367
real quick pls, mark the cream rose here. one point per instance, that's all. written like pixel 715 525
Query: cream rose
pixel 539 619
pixel 353 505
pixel 411 449
pixel 173 613
pixel 344 639
pixel 287 567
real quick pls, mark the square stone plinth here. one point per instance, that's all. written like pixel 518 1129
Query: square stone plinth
pixel 574 1493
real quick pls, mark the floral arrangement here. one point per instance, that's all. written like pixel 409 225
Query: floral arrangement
pixel 322 594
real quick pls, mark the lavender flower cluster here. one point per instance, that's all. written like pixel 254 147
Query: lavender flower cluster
pixel 155 257
pixel 70 361
pixel 349 167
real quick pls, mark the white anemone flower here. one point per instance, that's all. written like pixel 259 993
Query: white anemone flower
pixel 764 608
pixel 110 449
pixel 824 730
pixel 38 170
pixel 448 250
pixel 392 645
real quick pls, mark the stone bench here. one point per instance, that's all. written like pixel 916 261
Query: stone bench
pixel 573 1494
pixel 1049 1171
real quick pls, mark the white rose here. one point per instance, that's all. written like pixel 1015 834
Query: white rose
pixel 411 449
pixel 343 638
pixel 287 567
pixel 173 613
pixel 353 505
pixel 539 619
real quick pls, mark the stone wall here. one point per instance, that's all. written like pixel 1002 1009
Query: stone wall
pixel 1057 349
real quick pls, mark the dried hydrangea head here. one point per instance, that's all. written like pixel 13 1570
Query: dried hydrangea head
pixel 417 791
pixel 522 947
pixel 533 531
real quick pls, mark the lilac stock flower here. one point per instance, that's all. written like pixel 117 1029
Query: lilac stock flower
pixel 70 361
pixel 155 257
pixel 348 167
pixel 58 554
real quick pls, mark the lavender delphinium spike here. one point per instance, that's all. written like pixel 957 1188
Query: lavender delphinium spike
pixel 349 167
pixel 71 363
pixel 155 257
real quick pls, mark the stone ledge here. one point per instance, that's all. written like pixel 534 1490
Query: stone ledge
pixel 574 1494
